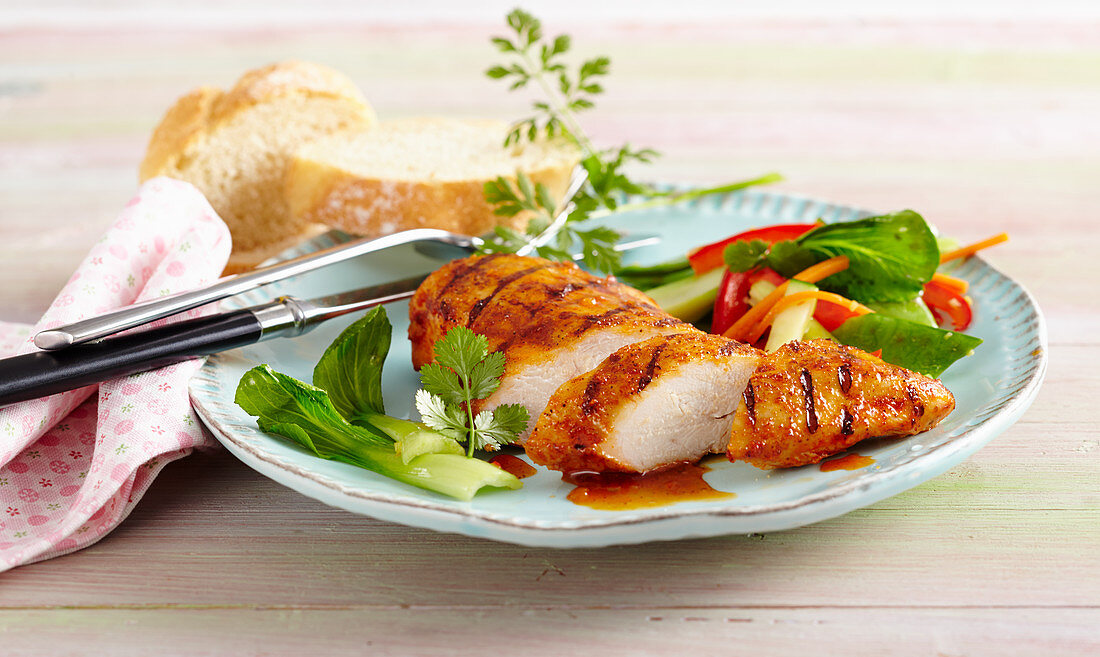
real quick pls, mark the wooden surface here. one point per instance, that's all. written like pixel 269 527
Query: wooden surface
pixel 981 126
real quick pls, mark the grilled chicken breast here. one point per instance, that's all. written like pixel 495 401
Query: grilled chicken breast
pixel 666 400
pixel 810 400
pixel 551 320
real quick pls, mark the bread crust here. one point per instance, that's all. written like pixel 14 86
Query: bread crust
pixel 372 206
pixel 183 127
pixel 200 112
pixel 320 191
pixel 188 126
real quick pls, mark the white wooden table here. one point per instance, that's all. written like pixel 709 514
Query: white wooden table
pixel 982 126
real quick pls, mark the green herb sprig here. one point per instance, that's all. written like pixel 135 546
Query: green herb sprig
pixel 465 372
pixel 534 59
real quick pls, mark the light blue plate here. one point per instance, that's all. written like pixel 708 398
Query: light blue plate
pixel 992 388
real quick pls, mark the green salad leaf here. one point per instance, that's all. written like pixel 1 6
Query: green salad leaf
pixel 890 257
pixel 908 344
pixel 342 417
pixel 278 400
pixel 305 414
pixel 350 370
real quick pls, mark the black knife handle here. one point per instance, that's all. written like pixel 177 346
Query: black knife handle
pixel 49 372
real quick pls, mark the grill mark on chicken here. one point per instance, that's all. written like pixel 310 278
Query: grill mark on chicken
pixel 596 320
pixel 730 347
pixel 541 325
pixel 443 307
pixel 565 289
pixel 667 321
pixel 846 419
pixel 750 403
pixel 651 368
pixel 504 282
pixel 844 377
pixel 464 270
pixel 542 329
pixel 569 288
pixel 807 382
pixel 592 389
pixel 439 303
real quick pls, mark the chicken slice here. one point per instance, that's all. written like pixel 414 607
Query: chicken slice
pixel 551 320
pixel 810 400
pixel 650 404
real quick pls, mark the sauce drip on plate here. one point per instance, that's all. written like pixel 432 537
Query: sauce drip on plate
pixel 513 465
pixel 847 462
pixel 612 491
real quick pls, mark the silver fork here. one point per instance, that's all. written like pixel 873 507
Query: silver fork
pixel 142 313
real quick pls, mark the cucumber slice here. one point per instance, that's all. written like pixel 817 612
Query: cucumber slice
pixel 690 299
pixel 791 324
pixel 815 331
pixel 759 290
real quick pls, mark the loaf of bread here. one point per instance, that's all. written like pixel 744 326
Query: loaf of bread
pixel 235 146
pixel 418 173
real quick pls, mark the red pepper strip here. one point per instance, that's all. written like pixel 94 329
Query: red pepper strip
pixel 731 301
pixel 733 291
pixel 831 315
pixel 767 274
pixel 943 301
pixel 706 258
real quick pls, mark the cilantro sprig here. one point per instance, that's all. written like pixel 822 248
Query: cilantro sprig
pixel 463 373
pixel 534 59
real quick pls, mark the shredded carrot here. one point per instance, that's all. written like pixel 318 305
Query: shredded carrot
pixel 749 319
pixel 971 249
pixel 950 282
pixel 823 269
pixel 799 297
pixel 811 274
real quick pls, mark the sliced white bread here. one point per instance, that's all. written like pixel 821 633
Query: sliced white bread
pixel 235 146
pixel 418 173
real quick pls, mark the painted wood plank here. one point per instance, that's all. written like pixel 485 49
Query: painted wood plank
pixel 228 536
pixel 531 630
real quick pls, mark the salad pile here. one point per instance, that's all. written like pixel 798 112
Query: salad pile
pixel 875 283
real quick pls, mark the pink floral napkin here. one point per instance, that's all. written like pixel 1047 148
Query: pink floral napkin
pixel 73 465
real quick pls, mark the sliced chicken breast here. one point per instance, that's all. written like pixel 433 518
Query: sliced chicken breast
pixel 810 400
pixel 650 404
pixel 551 320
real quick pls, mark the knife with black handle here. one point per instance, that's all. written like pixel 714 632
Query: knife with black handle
pixel 49 372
